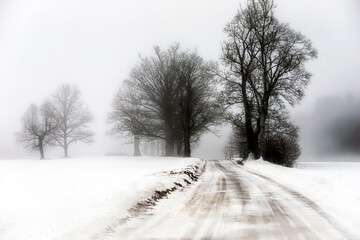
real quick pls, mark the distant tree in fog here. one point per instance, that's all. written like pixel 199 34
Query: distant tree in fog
pixel 236 145
pixel 175 99
pixel 127 116
pixel 73 118
pixel 154 78
pixel 37 127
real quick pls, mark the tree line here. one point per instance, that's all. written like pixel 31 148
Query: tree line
pixel 174 96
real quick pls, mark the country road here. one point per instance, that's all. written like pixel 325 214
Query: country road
pixel 230 202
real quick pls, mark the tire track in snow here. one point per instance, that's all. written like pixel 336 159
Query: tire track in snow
pixel 298 196
pixel 229 202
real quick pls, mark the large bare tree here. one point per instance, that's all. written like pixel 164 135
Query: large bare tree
pixel 73 118
pixel 282 53
pixel 37 126
pixel 239 57
pixel 266 63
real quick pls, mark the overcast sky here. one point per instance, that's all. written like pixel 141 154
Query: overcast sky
pixel 94 44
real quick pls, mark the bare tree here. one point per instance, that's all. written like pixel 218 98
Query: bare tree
pixel 238 56
pixel 282 53
pixel 268 58
pixel 128 116
pixel 197 95
pixel 176 99
pixel 73 118
pixel 37 127
pixel 154 78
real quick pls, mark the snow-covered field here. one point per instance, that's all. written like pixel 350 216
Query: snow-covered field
pixel 52 199
pixel 334 186
pixel 78 198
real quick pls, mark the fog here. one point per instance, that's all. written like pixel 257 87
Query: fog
pixel 94 44
pixel 331 128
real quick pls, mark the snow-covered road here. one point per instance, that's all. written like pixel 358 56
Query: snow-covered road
pixel 230 202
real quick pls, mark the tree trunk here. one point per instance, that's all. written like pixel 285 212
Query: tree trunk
pixel 169 146
pixel 187 136
pixel 187 148
pixel 262 132
pixel 157 147
pixel 256 150
pixel 179 148
pixel 163 148
pixel 137 145
pixel 66 151
pixel 251 136
pixel 169 135
pixel 41 148
pixel 152 148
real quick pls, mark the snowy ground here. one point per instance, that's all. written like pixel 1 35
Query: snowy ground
pixel 82 198
pixel 51 199
pixel 334 186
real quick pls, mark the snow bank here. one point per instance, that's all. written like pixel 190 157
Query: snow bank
pixel 63 198
pixel 334 186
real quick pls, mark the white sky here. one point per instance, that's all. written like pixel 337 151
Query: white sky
pixel 94 44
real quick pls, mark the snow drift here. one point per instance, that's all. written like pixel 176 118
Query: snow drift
pixel 77 198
